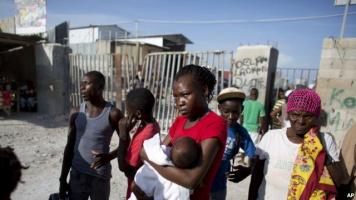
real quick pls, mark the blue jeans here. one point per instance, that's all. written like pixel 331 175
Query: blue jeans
pixel 83 186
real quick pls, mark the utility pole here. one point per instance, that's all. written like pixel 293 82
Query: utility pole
pixel 344 18
pixel 136 28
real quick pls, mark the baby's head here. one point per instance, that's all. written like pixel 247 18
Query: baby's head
pixel 185 153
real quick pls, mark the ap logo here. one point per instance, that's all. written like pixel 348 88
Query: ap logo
pixel 350 195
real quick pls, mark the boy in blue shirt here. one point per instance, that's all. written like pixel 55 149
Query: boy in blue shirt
pixel 230 106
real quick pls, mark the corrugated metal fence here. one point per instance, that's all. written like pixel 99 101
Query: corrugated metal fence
pixel 110 65
pixel 157 73
pixel 295 76
pixel 160 68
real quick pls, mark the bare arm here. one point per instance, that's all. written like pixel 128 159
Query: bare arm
pixel 167 140
pixel 275 112
pixel 127 169
pixel 115 116
pixel 125 124
pixel 194 176
pixel 68 153
pixel 240 172
pixel 256 178
pixel 123 145
pixel 261 121
pixel 69 148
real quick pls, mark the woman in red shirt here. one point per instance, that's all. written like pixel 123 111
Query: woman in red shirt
pixel 192 90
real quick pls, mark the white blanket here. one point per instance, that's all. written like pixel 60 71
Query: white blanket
pixel 150 181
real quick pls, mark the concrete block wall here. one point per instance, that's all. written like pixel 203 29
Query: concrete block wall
pixel 7 25
pixel 255 66
pixel 52 71
pixel 336 85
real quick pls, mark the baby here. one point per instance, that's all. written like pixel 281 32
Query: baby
pixel 185 153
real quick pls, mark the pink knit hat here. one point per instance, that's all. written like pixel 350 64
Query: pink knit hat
pixel 304 100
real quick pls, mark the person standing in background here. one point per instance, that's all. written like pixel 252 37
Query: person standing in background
pixel 253 116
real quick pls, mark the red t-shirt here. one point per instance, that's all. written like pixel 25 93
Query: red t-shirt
pixel 210 126
pixel 132 156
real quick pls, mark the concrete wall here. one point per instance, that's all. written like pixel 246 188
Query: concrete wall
pixel 336 85
pixel 255 66
pixel 52 70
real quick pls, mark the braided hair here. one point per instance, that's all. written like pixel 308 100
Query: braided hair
pixel 200 74
pixel 10 169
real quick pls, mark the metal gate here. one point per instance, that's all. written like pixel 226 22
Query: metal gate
pixel 156 74
pixel 159 70
pixel 296 76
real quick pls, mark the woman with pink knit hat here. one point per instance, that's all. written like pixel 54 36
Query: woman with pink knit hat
pixel 291 161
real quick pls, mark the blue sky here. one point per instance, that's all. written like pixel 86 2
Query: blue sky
pixel 299 42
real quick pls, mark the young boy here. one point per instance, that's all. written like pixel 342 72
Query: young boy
pixel 184 154
pixel 138 126
pixel 253 116
pixel 230 106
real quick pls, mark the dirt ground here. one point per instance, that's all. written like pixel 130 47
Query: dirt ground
pixel 39 143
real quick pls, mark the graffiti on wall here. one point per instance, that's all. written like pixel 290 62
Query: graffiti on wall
pixel 250 72
pixel 242 82
pixel 341 115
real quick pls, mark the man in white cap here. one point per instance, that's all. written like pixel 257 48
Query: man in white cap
pixel 230 107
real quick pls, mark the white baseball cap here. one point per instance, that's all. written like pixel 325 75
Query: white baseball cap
pixel 231 93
